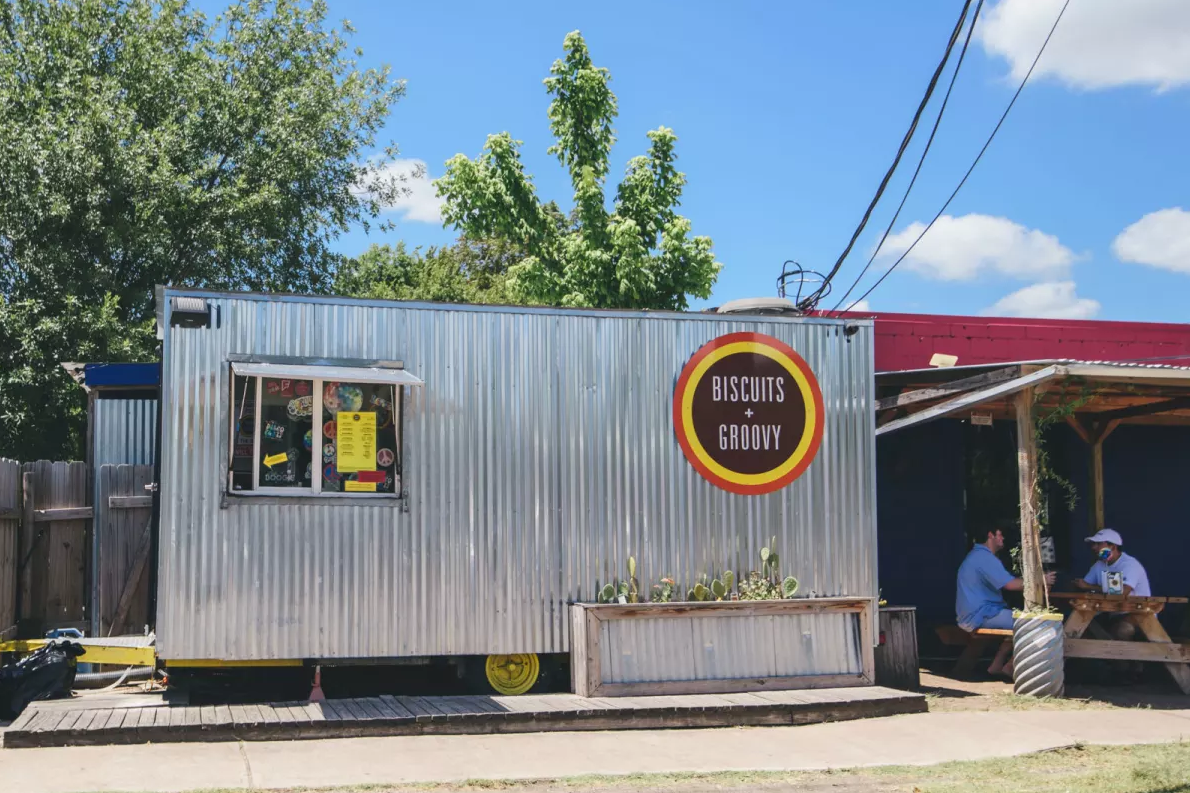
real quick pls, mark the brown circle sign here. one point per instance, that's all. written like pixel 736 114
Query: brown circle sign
pixel 748 413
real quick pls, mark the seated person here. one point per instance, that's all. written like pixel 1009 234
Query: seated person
pixel 979 602
pixel 1110 559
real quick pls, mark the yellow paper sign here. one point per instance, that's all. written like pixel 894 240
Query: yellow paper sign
pixel 356 442
pixel 273 459
pixel 351 486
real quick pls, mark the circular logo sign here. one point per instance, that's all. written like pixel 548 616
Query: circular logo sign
pixel 748 413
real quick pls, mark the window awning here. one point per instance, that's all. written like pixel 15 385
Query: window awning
pixel 350 374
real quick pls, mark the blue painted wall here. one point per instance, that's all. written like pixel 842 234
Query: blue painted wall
pixel 920 510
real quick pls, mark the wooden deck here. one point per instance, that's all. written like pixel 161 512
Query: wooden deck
pixel 59 724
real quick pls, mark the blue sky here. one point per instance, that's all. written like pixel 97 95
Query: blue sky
pixel 788 114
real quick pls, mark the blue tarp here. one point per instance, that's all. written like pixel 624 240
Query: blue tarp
pixel 120 375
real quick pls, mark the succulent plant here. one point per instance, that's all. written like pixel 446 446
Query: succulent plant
pixel 664 591
pixel 766 584
pixel 701 593
pixel 621 591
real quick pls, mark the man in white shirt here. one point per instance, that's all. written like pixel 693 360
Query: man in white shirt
pixel 1110 559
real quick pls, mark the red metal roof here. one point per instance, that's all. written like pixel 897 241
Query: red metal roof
pixel 908 341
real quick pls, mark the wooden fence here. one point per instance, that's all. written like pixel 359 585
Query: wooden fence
pixel 46 533
pixel 122 525
pixel 10 514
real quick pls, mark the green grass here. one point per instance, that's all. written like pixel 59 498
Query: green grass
pixel 1157 768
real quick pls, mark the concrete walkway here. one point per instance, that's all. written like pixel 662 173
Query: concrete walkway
pixel 916 739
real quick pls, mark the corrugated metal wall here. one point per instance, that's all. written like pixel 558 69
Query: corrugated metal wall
pixel 785 645
pixel 539 455
pixel 124 430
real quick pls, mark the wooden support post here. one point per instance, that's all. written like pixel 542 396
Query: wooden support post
pixel 1026 460
pixel 1096 515
pixel 1094 434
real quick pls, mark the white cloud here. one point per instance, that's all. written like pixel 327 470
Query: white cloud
pixel 418 202
pixel 1098 44
pixel 960 249
pixel 1159 239
pixel 859 305
pixel 1053 300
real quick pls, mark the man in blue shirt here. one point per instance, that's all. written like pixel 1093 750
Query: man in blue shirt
pixel 979 602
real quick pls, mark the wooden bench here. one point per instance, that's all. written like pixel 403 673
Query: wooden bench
pixel 973 644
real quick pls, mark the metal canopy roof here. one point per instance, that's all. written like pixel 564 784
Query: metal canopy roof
pixel 1130 392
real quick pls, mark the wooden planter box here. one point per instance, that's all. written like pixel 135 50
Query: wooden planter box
pixel 716 648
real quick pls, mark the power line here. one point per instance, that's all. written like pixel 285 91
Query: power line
pixel 813 298
pixel 979 156
pixel 921 160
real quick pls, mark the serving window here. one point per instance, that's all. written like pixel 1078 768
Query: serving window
pixel 294 433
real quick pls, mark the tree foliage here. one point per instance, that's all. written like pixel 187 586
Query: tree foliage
pixel 466 272
pixel 42 411
pixel 639 255
pixel 145 144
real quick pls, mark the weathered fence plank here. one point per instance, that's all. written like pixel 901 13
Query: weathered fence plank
pixel 10 512
pixel 53 544
pixel 122 517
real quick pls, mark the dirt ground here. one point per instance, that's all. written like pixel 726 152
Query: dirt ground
pixel 948 694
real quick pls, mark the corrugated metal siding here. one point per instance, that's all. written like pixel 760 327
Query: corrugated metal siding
pixel 124 430
pixel 787 645
pixel 539 455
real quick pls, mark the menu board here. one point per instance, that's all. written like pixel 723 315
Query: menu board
pixel 356 442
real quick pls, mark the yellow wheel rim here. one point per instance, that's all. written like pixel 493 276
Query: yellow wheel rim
pixel 512 674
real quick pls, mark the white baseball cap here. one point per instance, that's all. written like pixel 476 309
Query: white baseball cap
pixel 1106 535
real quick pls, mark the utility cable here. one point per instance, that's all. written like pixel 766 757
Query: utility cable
pixel 979 156
pixel 812 299
pixel 921 160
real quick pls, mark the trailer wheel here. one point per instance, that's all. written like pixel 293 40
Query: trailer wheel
pixel 514 674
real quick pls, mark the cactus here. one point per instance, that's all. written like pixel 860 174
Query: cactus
pixel 718 589
pixel 701 593
pixel 729 580
pixel 663 592
pixel 621 591
pixel 767 584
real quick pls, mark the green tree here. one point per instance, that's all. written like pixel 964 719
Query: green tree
pixel 41 409
pixel 143 144
pixel 466 272
pixel 639 255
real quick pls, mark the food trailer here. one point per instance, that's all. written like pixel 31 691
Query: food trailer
pixel 359 481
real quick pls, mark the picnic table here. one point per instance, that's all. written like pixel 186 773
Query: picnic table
pixel 1143 613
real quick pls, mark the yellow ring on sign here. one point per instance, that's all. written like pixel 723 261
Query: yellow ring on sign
pixel 514 674
pixel 804 389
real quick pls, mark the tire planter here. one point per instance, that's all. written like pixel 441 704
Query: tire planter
pixel 1038 656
